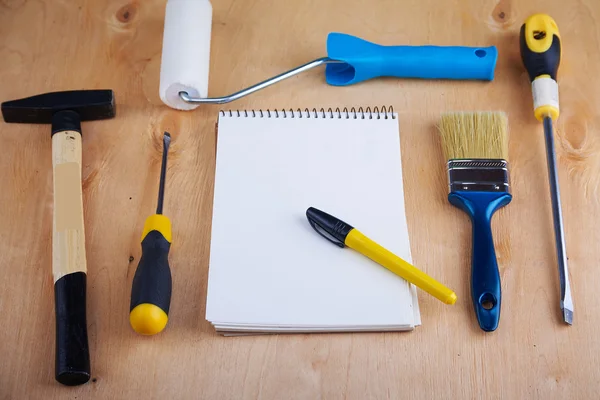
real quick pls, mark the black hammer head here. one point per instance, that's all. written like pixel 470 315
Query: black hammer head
pixel 64 110
pixel 40 109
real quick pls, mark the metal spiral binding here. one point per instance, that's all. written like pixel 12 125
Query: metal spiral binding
pixel 345 113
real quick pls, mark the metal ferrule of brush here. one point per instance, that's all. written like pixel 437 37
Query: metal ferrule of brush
pixel 478 175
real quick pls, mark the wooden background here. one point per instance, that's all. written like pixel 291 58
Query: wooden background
pixel 48 45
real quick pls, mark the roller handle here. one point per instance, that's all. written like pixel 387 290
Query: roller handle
pixel 363 60
pixel 151 288
pixel 485 277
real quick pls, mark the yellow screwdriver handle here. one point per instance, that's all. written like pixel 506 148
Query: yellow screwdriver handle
pixel 540 52
pixel 151 288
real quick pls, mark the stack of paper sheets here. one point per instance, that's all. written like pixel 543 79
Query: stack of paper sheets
pixel 269 270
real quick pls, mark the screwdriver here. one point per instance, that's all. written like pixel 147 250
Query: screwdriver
pixel 151 289
pixel 540 52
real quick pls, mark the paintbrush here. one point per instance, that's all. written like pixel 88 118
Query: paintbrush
pixel 476 146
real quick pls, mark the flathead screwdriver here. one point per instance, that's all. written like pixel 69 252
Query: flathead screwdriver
pixel 151 288
pixel 541 52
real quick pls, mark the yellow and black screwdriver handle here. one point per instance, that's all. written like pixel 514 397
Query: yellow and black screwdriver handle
pixel 540 52
pixel 151 290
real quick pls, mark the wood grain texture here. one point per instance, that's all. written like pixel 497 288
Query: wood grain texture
pixel 48 45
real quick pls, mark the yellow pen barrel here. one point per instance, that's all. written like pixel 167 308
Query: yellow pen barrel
pixel 359 242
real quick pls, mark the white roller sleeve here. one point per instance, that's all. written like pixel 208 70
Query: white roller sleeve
pixel 545 92
pixel 185 51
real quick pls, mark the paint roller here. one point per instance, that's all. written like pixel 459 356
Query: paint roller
pixel 349 60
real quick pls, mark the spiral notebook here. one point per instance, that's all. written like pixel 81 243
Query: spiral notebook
pixel 269 270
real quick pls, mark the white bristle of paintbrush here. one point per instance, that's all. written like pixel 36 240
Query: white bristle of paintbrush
pixel 468 135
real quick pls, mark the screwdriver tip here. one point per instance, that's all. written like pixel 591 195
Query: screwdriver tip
pixel 568 316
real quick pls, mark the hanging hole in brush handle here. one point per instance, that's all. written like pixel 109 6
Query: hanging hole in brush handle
pixel 485 277
pixel 363 60
pixel 487 301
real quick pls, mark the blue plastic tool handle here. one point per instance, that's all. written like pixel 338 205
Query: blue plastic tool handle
pixel 364 60
pixel 485 277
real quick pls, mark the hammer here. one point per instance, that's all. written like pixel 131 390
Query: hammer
pixel 65 111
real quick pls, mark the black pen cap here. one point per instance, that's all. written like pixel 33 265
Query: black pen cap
pixel 328 226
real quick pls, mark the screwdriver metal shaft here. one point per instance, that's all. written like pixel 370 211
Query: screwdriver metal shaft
pixel 566 302
pixel 163 173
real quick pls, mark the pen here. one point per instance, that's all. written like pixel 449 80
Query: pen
pixel 343 234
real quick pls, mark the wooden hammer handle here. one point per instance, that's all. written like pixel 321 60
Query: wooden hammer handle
pixel 69 261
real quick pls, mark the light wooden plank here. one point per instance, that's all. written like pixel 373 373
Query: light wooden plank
pixel 48 45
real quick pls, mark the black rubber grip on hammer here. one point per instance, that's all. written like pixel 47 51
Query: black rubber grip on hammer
pixel 72 351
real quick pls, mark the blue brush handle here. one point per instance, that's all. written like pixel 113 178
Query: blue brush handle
pixel 485 278
pixel 364 60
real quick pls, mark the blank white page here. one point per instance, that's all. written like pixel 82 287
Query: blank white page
pixel 267 265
